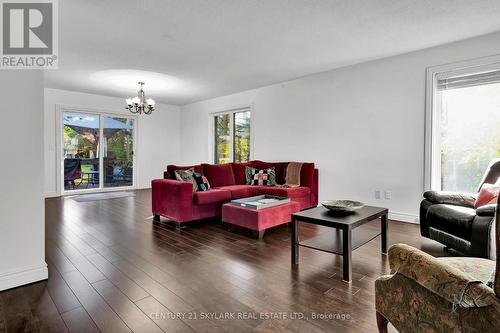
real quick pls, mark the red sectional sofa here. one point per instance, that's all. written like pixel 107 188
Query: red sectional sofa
pixel 176 200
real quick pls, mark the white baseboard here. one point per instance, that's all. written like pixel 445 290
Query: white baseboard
pixel 404 217
pixel 23 275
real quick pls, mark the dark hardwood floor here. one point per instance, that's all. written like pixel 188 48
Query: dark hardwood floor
pixel 112 269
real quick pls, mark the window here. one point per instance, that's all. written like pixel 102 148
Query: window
pixel 222 138
pixel 232 136
pixel 465 127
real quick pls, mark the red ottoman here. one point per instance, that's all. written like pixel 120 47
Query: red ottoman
pixel 259 220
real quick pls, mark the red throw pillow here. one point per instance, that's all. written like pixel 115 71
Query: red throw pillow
pixel 219 174
pixel 487 195
pixel 239 169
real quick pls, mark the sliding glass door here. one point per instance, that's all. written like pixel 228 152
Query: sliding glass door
pixel 97 151
pixel 81 150
pixel 118 151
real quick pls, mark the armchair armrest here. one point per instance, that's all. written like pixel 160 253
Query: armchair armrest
pixel 172 199
pixel 451 198
pixel 486 210
pixel 453 285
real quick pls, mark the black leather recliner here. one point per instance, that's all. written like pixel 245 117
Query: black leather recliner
pixel 450 218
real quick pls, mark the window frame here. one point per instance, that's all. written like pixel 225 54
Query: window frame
pixel 231 112
pixel 432 158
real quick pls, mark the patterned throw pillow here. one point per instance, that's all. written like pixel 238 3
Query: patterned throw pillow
pixel 186 176
pixel 487 195
pixel 249 171
pixel 265 177
pixel 201 182
pixel 270 178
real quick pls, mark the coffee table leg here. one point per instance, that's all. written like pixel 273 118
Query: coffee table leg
pixel 347 255
pixel 384 224
pixel 295 242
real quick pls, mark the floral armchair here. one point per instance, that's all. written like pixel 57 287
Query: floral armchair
pixel 428 294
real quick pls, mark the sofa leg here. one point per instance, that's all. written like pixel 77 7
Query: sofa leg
pixel 258 234
pixel 227 226
pixel 382 323
pixel 178 226
pixel 156 218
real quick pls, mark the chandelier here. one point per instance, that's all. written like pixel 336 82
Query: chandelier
pixel 140 104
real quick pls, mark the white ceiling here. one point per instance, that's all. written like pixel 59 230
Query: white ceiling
pixel 210 48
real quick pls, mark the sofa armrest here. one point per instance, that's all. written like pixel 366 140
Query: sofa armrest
pixel 451 198
pixel 482 240
pixel 487 210
pixel 453 285
pixel 172 199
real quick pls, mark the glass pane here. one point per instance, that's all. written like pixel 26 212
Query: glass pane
pixel 80 150
pixel 470 135
pixel 222 139
pixel 118 151
pixel 242 136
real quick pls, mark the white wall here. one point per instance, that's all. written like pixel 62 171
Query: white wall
pixel 22 228
pixel 362 125
pixel 157 134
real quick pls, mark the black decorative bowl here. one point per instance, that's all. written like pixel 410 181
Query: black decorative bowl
pixel 342 206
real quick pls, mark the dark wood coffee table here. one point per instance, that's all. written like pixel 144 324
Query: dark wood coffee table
pixel 345 239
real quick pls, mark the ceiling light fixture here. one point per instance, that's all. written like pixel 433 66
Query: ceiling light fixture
pixel 140 104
